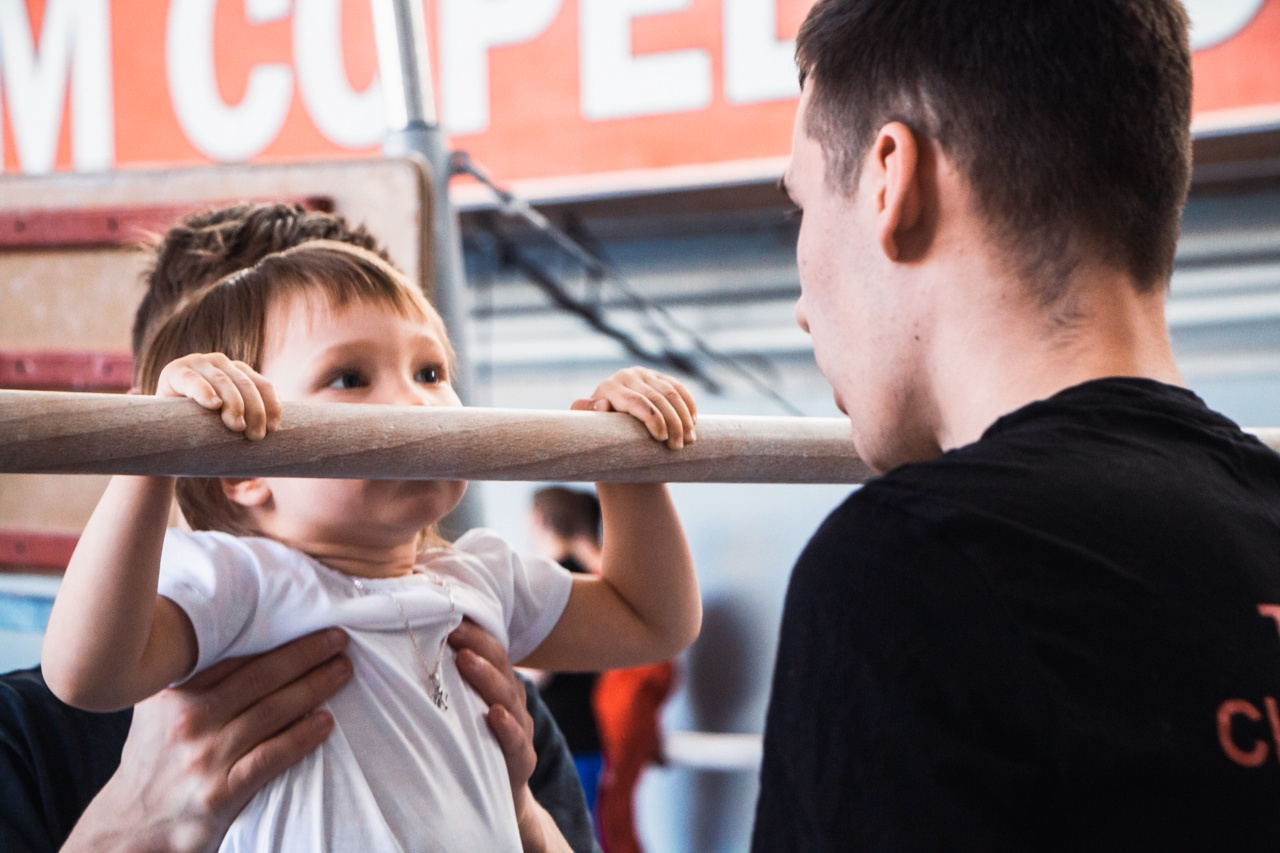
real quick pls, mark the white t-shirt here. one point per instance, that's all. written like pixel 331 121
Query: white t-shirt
pixel 397 773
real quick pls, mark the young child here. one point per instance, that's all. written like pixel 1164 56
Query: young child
pixel 410 763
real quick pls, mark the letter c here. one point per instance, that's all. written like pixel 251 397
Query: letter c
pixel 219 130
pixel 1230 708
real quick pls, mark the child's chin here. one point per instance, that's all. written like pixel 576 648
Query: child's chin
pixel 443 496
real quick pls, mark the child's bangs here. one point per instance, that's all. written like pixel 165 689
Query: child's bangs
pixel 342 275
pixel 228 317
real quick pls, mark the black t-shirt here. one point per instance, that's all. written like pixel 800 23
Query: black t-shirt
pixel 54 759
pixel 568 697
pixel 1058 637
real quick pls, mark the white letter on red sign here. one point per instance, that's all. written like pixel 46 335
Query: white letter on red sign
pixel 1215 21
pixel 348 118
pixel 468 29
pixel 75 36
pixel 221 131
pixel 617 84
pixel 757 66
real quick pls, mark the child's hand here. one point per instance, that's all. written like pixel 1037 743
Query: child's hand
pixel 247 400
pixel 661 403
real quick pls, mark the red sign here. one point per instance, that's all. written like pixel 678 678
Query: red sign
pixel 549 93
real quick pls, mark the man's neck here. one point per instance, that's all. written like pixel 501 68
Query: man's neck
pixel 998 354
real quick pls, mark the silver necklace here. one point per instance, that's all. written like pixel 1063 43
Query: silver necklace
pixel 439 695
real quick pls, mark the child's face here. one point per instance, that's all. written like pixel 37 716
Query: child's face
pixel 363 352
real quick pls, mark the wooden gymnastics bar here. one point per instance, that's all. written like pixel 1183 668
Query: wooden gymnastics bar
pixel 45 432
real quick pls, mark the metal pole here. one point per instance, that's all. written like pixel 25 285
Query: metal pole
pixel 413 127
pixel 404 68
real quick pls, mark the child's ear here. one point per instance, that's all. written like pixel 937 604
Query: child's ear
pixel 249 492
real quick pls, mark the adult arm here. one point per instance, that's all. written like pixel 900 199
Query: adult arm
pixel 196 754
pixel 550 807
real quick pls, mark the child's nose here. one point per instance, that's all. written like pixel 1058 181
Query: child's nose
pixel 421 397
pixel 408 394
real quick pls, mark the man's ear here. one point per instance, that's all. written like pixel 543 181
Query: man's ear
pixel 248 492
pixel 895 160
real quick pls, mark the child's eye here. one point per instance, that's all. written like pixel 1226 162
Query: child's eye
pixel 346 380
pixel 428 375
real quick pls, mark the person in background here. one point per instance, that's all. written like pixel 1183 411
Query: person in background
pixel 628 705
pixel 618 711
pixel 194 755
pixel 564 525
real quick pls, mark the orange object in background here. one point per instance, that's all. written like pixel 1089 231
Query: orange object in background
pixel 628 705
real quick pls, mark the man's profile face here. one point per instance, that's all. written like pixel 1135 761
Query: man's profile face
pixel 863 334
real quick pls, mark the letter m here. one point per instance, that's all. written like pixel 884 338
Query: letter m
pixel 74 49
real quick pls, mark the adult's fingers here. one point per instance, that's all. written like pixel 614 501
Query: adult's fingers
pixel 233 686
pixel 199 752
pixel 252 742
pixel 484 664
pixel 217 672
pixel 469 635
pixel 271 757
pixel 515 743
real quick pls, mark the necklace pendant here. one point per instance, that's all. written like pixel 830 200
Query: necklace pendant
pixel 438 694
pixel 441 697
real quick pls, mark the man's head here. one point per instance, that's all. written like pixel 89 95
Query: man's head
pixel 961 159
pixel 1069 120
pixel 564 518
pixel 207 246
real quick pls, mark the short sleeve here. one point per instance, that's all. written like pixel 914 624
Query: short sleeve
pixel 217 583
pixel 533 590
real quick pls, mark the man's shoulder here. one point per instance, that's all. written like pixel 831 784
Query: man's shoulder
pixel 29 710
pixel 1108 462
pixel 879 544
pixel 26 700
pixel 53 760
pixel 1107 439
pixel 904 508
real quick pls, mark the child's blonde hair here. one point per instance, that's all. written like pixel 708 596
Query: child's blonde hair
pixel 231 315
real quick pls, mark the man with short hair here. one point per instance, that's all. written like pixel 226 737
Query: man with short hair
pixel 1052 622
